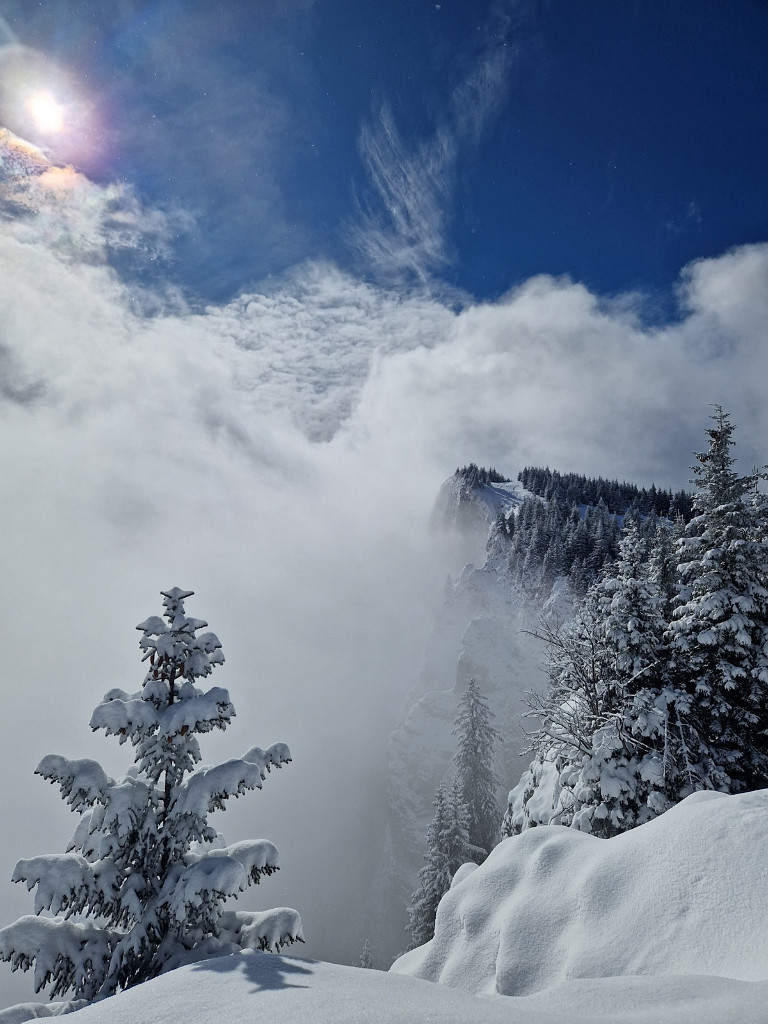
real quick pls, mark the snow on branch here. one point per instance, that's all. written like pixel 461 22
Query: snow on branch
pixel 257 856
pixel 83 782
pixel 127 803
pixel 218 875
pixel 275 756
pixel 207 788
pixel 66 953
pixel 268 930
pixel 206 711
pixel 61 880
pixel 122 717
pixel 153 626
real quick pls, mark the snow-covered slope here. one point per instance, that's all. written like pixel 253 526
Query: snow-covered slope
pixel 261 988
pixel 686 894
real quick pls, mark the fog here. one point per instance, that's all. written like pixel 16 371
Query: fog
pixel 279 456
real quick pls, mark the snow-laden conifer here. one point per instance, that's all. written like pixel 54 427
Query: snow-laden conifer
pixel 448 847
pixel 366 957
pixel 719 632
pixel 144 881
pixel 599 762
pixel 473 766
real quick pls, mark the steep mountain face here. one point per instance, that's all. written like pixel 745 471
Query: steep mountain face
pixel 472 500
pixel 479 633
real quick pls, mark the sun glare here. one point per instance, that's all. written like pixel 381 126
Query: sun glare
pixel 47 112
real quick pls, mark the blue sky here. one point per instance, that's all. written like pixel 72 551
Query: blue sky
pixel 611 142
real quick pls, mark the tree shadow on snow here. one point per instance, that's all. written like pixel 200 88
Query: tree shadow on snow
pixel 264 970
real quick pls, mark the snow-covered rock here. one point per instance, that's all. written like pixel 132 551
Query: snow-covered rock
pixel 685 894
pixel 466 504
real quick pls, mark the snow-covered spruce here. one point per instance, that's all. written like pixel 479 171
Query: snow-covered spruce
pixel 473 764
pixel 142 886
pixel 366 957
pixel 448 847
pixel 599 763
pixel 719 631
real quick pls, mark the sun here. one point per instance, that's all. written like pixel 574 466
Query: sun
pixel 46 111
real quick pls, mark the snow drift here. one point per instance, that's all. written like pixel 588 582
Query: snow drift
pixel 686 894
pixel 262 988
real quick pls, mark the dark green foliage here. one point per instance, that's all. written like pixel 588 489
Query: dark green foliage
pixel 473 762
pixel 448 847
pixel 477 476
pixel 575 489
pixel 550 540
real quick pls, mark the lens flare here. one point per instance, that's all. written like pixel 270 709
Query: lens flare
pixel 47 113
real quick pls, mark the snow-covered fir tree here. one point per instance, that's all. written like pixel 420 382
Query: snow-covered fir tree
pixel 143 884
pixel 719 633
pixel 473 766
pixel 366 957
pixel 448 847
pixel 599 762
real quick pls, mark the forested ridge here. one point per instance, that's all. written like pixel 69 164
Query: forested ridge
pixel 618 498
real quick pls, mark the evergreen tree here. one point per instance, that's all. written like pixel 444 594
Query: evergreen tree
pixel 473 765
pixel 448 847
pixel 366 957
pixel 719 633
pixel 599 762
pixel 144 881
pixel 662 562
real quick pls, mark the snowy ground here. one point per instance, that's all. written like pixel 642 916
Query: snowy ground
pixel 261 988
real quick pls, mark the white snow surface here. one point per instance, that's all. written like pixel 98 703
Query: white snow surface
pixel 685 894
pixel 262 988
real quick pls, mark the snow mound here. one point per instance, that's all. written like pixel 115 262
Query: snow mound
pixel 686 894
pixel 262 988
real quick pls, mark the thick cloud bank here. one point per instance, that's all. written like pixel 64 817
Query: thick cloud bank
pixel 686 894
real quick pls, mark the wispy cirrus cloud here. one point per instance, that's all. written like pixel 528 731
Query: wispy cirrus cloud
pixel 404 215
pixel 400 229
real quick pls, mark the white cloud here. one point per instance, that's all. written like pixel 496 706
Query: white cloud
pixel 54 204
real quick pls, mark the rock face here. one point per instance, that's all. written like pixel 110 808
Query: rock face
pixel 465 502
pixel 685 894
pixel 479 633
